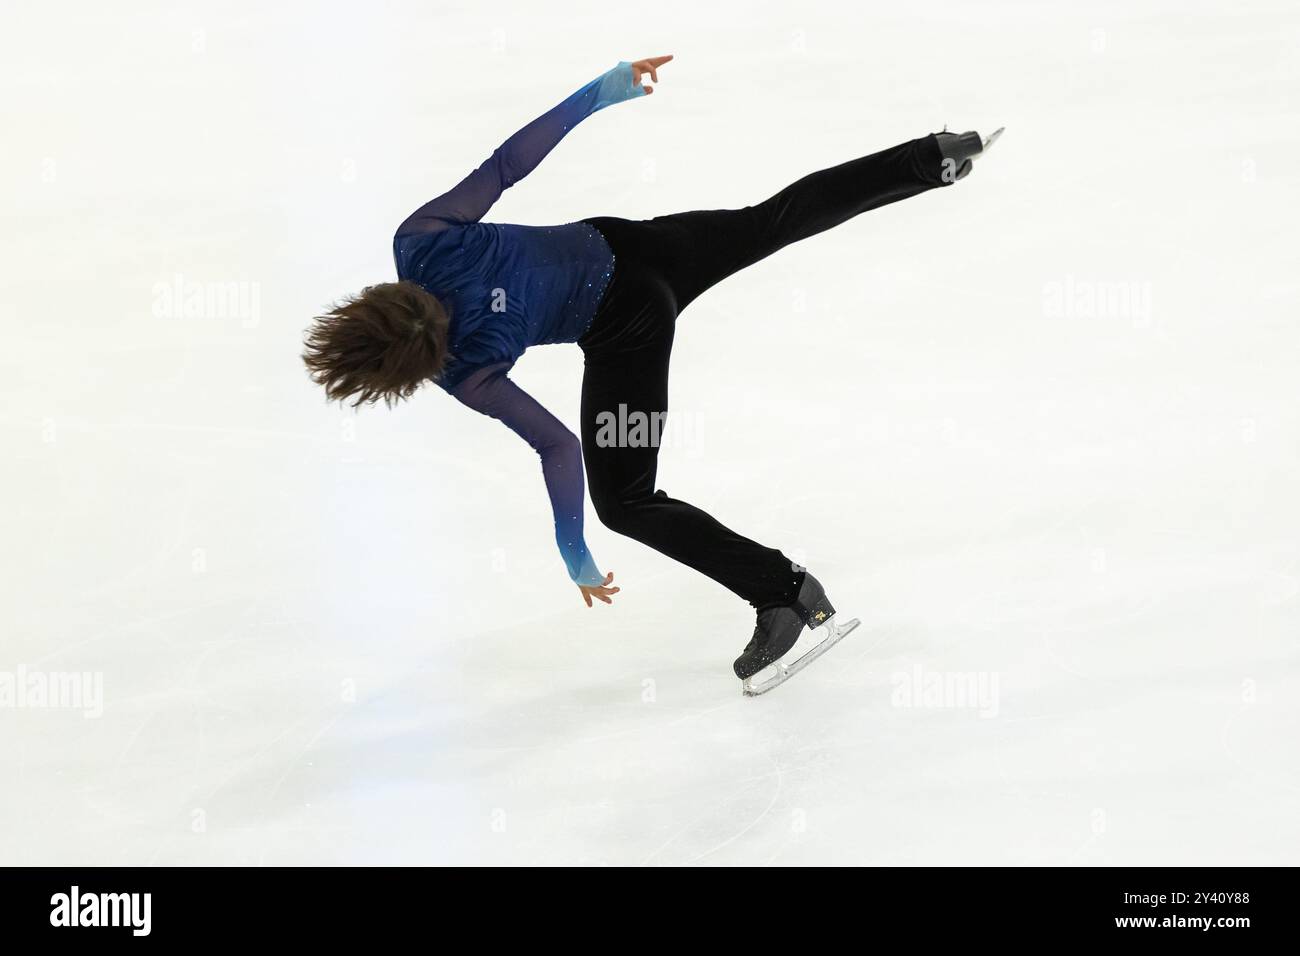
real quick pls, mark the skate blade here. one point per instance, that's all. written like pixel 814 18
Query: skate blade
pixel 752 686
pixel 993 138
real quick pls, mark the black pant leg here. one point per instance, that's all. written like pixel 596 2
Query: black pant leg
pixel 626 375
pixel 696 250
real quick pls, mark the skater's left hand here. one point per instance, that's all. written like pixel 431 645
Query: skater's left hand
pixel 648 65
pixel 602 591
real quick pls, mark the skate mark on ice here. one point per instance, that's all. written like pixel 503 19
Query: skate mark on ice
pixel 1241 764
pixel 780 781
pixel 143 622
pixel 293 762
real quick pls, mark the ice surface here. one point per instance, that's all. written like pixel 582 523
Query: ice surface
pixel 1039 429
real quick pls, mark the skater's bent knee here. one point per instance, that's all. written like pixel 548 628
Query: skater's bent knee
pixel 621 517
pixel 614 516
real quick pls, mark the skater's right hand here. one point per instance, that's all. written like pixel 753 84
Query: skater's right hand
pixel 603 591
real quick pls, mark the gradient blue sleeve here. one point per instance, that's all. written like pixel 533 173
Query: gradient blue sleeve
pixel 491 392
pixel 518 156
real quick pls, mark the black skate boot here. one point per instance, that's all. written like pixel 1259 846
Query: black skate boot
pixel 959 149
pixel 778 630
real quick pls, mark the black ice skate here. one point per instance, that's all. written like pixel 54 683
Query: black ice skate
pixel 778 630
pixel 959 149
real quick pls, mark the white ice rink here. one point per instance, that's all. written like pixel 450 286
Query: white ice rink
pixel 1039 431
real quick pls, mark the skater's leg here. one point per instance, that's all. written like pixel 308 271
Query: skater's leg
pixel 696 250
pixel 626 379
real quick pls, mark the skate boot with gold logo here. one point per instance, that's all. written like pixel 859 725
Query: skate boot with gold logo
pixel 772 656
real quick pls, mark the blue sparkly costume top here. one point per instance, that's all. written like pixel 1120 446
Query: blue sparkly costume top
pixel 509 287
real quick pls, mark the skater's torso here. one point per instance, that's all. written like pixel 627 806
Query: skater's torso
pixel 507 287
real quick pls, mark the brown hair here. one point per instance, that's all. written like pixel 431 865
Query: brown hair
pixel 382 343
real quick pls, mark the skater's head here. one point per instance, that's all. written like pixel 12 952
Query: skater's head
pixel 381 344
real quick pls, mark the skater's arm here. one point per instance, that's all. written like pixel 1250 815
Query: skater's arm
pixel 518 156
pixel 491 392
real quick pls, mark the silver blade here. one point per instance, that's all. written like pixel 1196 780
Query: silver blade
pixel 993 138
pixel 782 672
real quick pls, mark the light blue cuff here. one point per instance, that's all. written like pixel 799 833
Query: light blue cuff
pixel 579 562
pixel 617 86
pixel 588 573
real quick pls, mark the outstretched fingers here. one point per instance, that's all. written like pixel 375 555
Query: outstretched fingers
pixel 601 592
pixel 651 66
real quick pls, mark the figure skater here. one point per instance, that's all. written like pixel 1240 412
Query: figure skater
pixel 472 296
